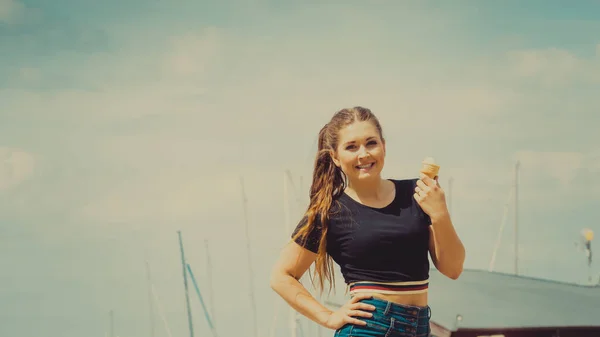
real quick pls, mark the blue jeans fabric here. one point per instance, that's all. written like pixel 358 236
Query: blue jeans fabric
pixel 390 320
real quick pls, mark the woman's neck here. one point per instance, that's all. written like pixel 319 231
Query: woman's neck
pixel 374 189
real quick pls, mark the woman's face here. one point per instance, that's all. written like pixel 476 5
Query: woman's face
pixel 360 152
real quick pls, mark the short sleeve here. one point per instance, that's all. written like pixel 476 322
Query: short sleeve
pixel 313 238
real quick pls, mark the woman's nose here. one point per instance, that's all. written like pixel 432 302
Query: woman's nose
pixel 362 152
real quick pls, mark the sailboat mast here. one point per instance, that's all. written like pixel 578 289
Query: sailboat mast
pixel 111 317
pixel 301 188
pixel 151 302
pixel 249 254
pixel 210 285
pixel 160 310
pixel 516 223
pixel 185 285
pixel 288 223
pixel 450 183
pixel 206 313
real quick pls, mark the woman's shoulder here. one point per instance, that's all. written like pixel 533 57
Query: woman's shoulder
pixel 404 184
pixel 405 188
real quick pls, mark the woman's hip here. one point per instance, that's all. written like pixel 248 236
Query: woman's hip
pixel 390 320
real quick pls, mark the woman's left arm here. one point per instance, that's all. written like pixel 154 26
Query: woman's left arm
pixel 445 247
pixel 446 250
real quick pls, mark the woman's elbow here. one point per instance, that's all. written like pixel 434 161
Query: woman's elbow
pixel 454 273
pixel 452 269
pixel 274 279
pixel 456 269
pixel 277 279
pixel 451 272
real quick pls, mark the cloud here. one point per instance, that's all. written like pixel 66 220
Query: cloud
pixel 248 95
pixel 550 182
pixel 566 173
pixel 10 11
pixel 562 167
pixel 169 121
pixel 193 53
pixel 30 75
pixel 88 107
pixel 168 194
pixel 179 196
pixel 553 66
pixel 131 83
pixel 16 166
pixel 593 162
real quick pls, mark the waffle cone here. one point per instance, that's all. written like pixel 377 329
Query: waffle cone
pixel 430 170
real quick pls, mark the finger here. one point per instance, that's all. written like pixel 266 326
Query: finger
pixel 428 181
pixel 359 297
pixel 422 185
pixel 363 306
pixel 359 313
pixel 417 197
pixel 355 321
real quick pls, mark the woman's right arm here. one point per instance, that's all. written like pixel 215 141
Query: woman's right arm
pixel 293 262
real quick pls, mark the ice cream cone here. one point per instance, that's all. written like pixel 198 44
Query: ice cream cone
pixel 430 168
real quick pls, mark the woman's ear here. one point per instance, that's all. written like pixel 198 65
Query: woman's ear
pixel 334 158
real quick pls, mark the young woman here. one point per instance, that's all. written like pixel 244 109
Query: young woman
pixel 379 232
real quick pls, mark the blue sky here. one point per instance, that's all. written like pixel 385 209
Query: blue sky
pixel 123 122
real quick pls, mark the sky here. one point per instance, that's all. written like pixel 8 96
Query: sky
pixel 124 122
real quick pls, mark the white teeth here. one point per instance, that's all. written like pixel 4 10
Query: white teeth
pixel 365 166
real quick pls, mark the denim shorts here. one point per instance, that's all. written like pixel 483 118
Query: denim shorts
pixel 390 320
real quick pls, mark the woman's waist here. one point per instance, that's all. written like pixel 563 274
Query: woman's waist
pixel 417 300
pixel 402 292
pixel 390 287
pixel 411 306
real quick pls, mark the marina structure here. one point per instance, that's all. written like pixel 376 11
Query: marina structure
pixel 482 303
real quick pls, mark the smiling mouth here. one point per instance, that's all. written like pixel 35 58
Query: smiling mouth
pixel 365 166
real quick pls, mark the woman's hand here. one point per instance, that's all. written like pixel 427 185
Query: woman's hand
pixel 430 196
pixel 345 314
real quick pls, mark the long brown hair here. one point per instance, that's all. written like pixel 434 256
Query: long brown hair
pixel 328 184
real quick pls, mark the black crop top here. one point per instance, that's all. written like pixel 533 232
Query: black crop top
pixel 388 244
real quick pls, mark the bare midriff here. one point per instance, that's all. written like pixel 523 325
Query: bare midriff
pixel 419 300
pixel 412 293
